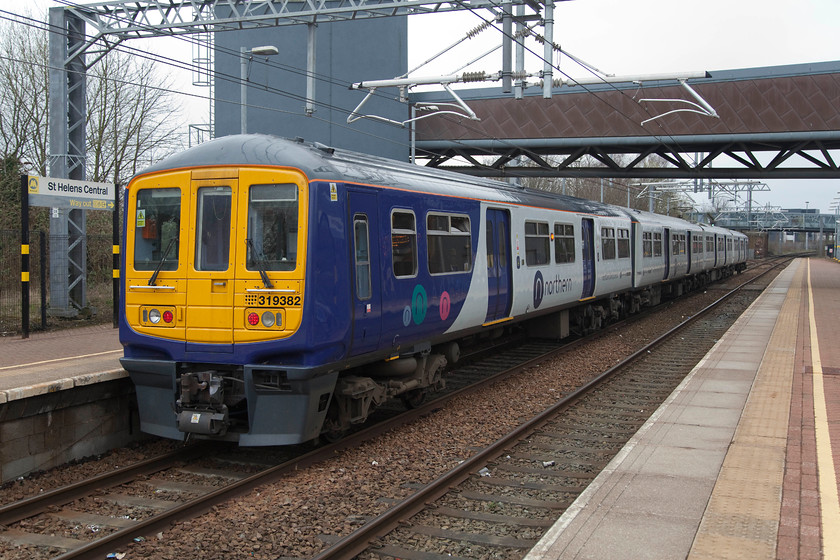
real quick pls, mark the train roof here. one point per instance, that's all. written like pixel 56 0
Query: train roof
pixel 323 163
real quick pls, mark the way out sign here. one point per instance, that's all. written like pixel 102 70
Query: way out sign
pixel 69 193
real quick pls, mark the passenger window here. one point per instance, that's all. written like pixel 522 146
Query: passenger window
pixel 404 243
pixel 657 244
pixel 212 240
pixel 647 244
pixel 564 243
pixel 450 243
pixel 537 243
pixel 607 243
pixel 157 226
pixel 272 227
pixel 623 243
pixel 362 251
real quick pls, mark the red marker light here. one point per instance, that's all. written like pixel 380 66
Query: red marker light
pixel 167 316
pixel 253 319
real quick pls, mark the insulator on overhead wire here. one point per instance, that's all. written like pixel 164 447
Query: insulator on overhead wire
pixel 473 32
pixel 474 76
pixel 519 75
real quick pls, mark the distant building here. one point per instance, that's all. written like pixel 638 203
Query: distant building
pixel 346 52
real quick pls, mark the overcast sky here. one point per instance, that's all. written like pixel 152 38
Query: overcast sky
pixel 632 37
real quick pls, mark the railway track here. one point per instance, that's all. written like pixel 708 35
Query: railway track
pixel 137 514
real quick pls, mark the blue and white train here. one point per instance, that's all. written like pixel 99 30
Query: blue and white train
pixel 274 290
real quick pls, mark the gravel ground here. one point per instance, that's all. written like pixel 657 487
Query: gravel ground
pixel 335 497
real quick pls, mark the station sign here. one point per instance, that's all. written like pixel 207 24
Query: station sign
pixel 69 193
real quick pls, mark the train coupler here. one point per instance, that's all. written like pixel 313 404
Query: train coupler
pixel 200 409
pixel 209 422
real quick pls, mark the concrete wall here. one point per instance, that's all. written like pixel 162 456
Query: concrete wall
pixel 42 431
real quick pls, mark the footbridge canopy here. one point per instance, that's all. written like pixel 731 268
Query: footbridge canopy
pixel 773 122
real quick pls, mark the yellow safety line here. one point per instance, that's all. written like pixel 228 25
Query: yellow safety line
pixel 60 360
pixel 827 477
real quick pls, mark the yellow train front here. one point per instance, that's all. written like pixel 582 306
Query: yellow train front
pixel 213 276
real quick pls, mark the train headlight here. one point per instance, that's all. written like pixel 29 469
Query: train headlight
pixel 158 316
pixel 253 319
pixel 268 319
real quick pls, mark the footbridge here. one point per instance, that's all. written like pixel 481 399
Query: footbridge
pixel 772 122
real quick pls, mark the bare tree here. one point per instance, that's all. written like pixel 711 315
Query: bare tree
pixel 132 118
pixel 24 88
pixel 132 114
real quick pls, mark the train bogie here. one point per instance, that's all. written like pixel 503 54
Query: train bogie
pixel 274 290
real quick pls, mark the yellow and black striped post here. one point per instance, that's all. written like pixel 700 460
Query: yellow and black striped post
pixel 24 254
pixel 116 250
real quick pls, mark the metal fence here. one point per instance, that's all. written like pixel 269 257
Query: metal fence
pixel 99 285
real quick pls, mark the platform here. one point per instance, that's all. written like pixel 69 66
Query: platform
pixel 57 360
pixel 739 461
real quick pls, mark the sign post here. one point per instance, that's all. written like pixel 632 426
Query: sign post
pixel 60 193
pixel 24 255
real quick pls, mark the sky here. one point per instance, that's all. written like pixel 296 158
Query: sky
pixel 625 37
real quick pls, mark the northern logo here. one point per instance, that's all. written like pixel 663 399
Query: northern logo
pixel 543 288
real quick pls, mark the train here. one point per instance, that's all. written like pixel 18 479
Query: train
pixel 274 291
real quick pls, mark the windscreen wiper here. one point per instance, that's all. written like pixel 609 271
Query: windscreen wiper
pixel 258 260
pixel 162 260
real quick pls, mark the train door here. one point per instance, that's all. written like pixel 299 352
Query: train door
pixel 497 237
pixel 587 227
pixel 209 313
pixel 367 295
pixel 666 252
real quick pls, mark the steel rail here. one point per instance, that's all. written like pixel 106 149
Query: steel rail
pixel 28 507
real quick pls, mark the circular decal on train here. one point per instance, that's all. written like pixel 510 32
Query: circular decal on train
pixel 419 303
pixel 445 306
pixel 538 289
pixel 406 316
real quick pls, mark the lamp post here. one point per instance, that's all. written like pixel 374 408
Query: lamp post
pixel 245 58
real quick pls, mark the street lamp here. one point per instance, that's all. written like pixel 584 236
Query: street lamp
pixel 245 58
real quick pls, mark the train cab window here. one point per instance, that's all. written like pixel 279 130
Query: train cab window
pixel 623 243
pixel 450 243
pixel 157 229
pixel 537 243
pixel 564 243
pixel 647 244
pixel 607 243
pixel 272 227
pixel 657 244
pixel 362 254
pixel 212 239
pixel 404 243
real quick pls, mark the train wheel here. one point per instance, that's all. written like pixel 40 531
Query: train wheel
pixel 333 429
pixel 414 398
